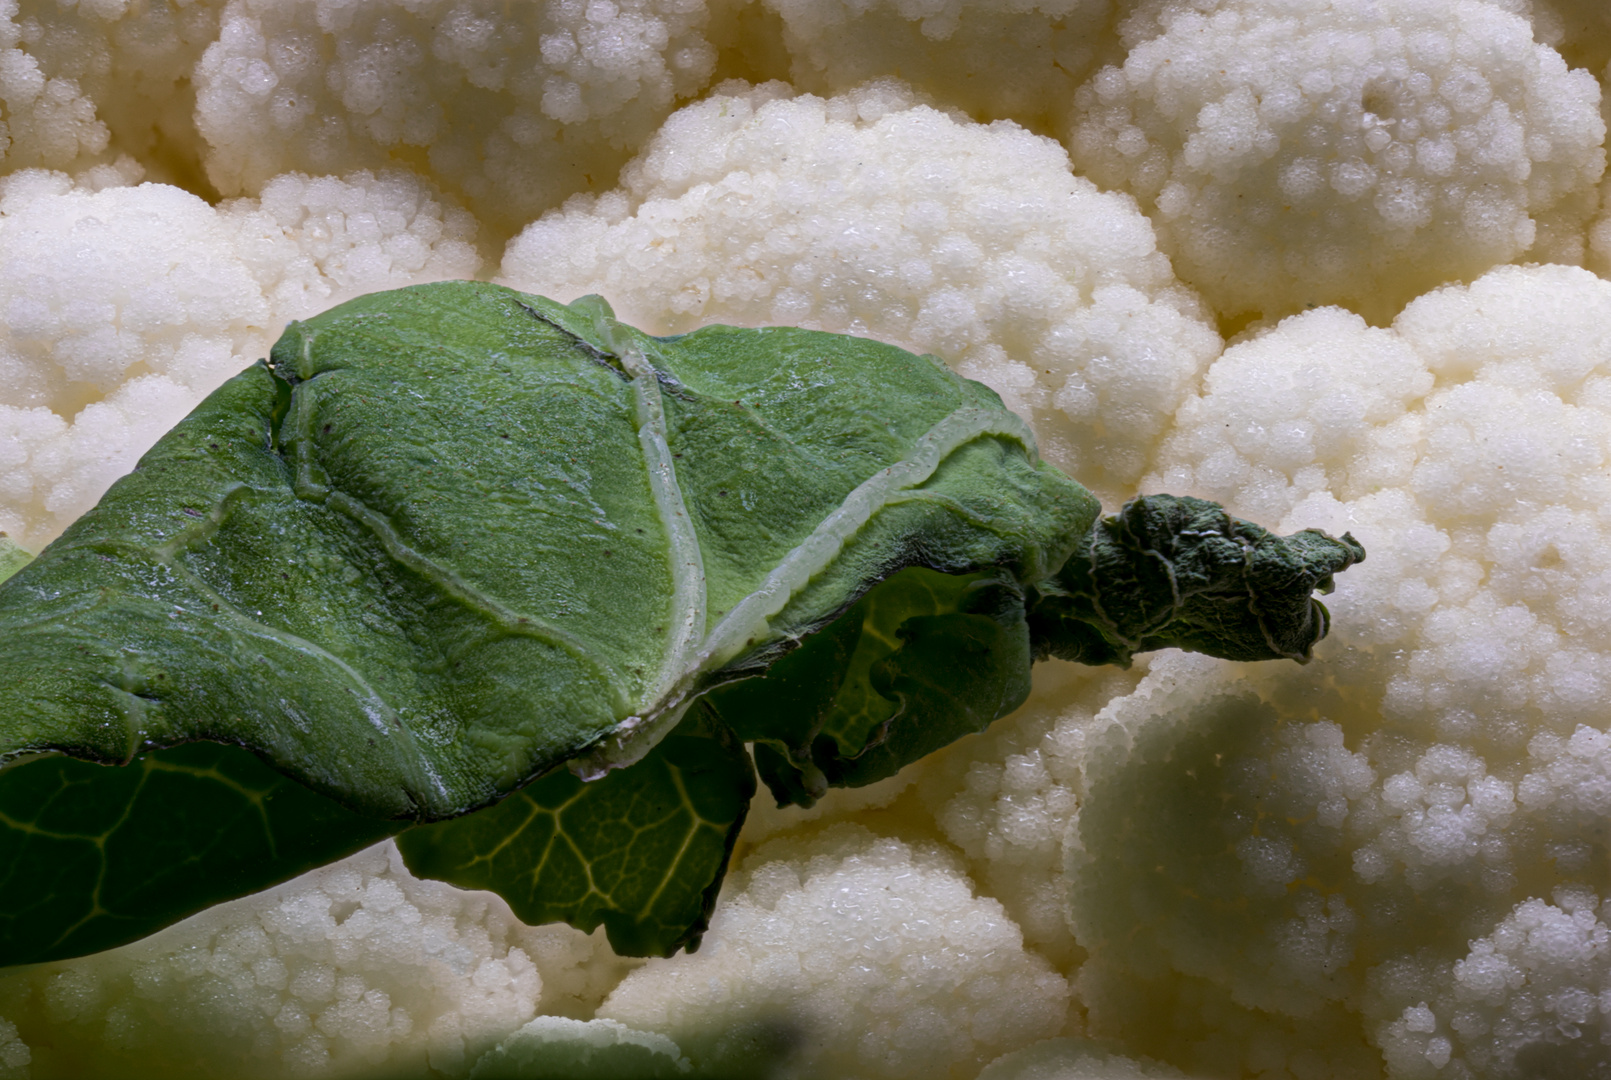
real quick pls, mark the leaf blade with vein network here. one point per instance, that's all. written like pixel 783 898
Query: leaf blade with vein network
pixel 94 857
pixel 641 851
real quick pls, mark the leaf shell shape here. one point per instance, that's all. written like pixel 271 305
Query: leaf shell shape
pixel 451 536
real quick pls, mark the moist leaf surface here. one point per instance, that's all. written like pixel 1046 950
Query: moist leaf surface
pixel 452 536
pixel 451 539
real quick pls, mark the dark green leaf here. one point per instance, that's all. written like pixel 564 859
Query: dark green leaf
pixel 1177 572
pixel 641 850
pixel 95 857
pixel 917 663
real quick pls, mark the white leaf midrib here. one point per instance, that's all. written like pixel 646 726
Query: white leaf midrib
pixel 694 654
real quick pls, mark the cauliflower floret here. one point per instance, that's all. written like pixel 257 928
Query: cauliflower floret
pixel 1580 29
pixel 1005 797
pixel 353 967
pixel 1295 154
pixel 311 242
pixel 124 307
pixel 45 120
pixel 15 1055
pixel 870 214
pixel 861 956
pixel 1529 999
pixel 112 78
pixel 513 107
pixel 1324 846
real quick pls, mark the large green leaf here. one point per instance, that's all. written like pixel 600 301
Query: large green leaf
pixel 92 857
pixel 453 536
pixel 451 539
pixel 640 850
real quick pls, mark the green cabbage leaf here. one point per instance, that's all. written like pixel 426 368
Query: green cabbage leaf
pixel 517 582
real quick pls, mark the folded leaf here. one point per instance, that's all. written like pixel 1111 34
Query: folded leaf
pixel 1177 572
pixel 917 663
pixel 95 857
pixel 640 850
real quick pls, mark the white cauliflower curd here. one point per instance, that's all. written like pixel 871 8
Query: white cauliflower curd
pixel 1333 263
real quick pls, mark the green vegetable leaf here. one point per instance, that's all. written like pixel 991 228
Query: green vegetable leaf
pixel 449 540
pixel 918 662
pixel 1177 572
pixel 452 536
pixel 640 850
pixel 95 857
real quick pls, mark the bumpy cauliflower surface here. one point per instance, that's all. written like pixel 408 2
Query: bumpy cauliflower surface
pixel 1333 263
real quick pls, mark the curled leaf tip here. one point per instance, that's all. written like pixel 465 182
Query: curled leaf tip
pixel 1172 571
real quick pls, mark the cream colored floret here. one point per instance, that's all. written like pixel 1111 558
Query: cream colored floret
pixel 349 969
pixel 1296 154
pixel 126 306
pixel 871 956
pixel 477 92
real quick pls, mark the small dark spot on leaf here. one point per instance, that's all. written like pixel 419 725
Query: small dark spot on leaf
pixel 721 493
pixel 192 513
pixel 327 429
pixel 609 553
pixel 213 446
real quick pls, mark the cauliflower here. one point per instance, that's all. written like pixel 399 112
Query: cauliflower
pixel 1333 263
pixel 476 94
pixel 356 966
pixel 125 306
pixel 1298 154
pixel 850 932
pixel 833 46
